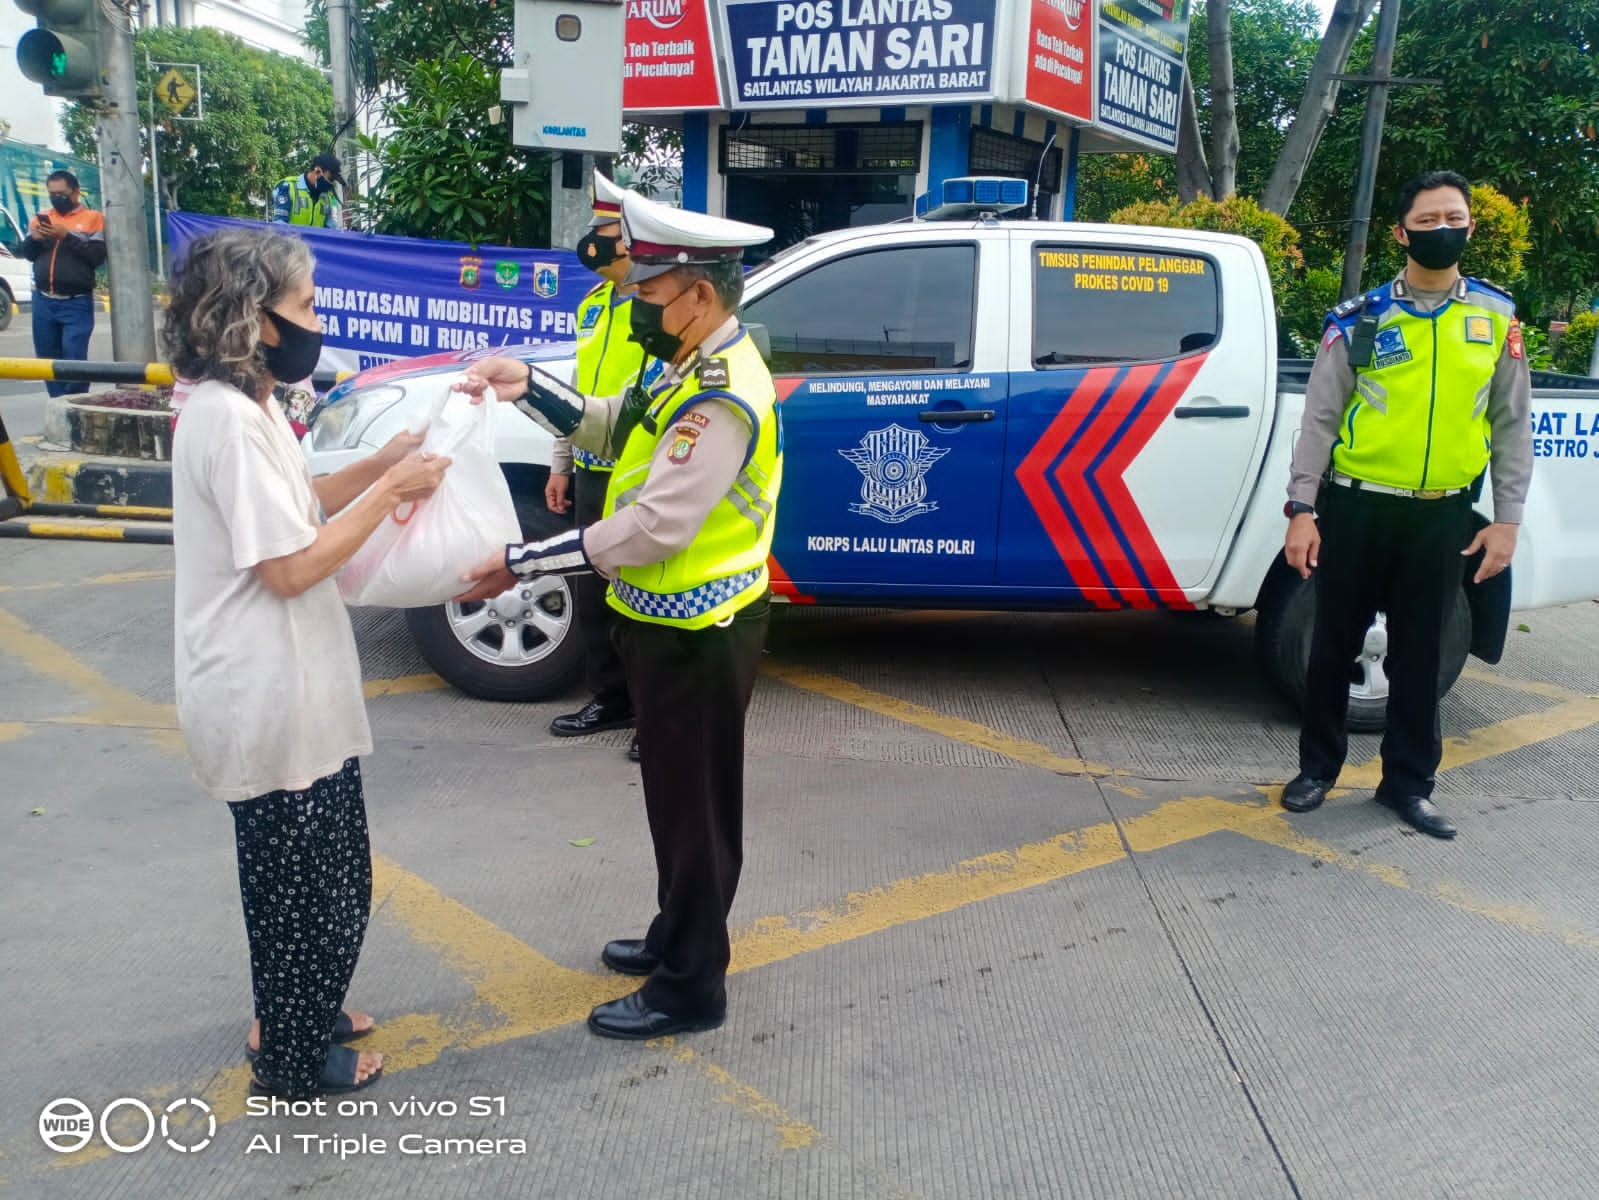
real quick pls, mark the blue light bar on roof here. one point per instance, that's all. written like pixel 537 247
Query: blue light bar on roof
pixel 972 196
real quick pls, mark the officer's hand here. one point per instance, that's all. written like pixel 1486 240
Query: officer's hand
pixel 555 493
pixel 488 579
pixel 506 376
pixel 1302 544
pixel 1498 545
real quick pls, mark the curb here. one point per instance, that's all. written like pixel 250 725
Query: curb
pixel 120 482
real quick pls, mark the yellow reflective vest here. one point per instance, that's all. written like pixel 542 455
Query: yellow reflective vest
pixel 724 568
pixel 1418 416
pixel 607 362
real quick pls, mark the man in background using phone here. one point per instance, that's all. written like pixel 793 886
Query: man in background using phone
pixel 66 245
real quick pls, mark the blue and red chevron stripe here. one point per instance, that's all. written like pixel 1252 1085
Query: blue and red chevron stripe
pixel 1073 478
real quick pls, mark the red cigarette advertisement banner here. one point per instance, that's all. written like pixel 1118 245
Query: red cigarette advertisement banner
pixel 1060 57
pixel 670 62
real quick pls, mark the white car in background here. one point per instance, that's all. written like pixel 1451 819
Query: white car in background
pixel 16 286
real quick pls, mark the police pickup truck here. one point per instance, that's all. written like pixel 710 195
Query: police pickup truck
pixel 1013 414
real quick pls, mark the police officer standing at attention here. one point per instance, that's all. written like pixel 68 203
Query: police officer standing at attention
pixel 608 362
pixel 1418 386
pixel 309 199
pixel 687 527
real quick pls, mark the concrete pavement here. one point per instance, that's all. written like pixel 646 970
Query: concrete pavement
pixel 1019 918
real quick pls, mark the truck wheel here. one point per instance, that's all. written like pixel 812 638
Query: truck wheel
pixel 521 645
pixel 1287 614
pixel 6 305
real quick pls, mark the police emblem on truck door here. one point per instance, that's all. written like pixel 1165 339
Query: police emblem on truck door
pixel 893 463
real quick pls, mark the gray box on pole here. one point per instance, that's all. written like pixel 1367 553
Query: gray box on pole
pixel 564 84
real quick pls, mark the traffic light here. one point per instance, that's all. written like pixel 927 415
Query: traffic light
pixel 63 53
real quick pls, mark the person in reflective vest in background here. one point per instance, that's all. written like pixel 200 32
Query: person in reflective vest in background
pixel 1418 387
pixel 310 199
pixel 608 361
pixel 684 540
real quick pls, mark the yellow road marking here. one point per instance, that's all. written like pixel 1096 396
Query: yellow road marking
pixel 403 685
pixel 1279 833
pixel 113 704
pixel 97 580
pixel 930 719
pixel 1513 733
pixel 792 1133
pixel 1533 687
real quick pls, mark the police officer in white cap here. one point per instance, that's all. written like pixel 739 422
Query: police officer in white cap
pixel 607 364
pixel 688 525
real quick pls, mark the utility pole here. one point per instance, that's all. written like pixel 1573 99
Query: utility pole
pixel 1382 69
pixel 122 182
pixel 343 88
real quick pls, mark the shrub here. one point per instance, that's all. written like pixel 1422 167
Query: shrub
pixel 1575 351
pixel 1277 239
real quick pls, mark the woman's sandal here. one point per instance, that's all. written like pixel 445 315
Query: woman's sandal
pixel 338 1078
pixel 344 1030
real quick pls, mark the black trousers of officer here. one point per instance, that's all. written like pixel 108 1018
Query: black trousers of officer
pixel 602 668
pixel 690 691
pixel 1401 556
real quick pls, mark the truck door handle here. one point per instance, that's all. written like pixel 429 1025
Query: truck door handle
pixel 1224 411
pixel 954 416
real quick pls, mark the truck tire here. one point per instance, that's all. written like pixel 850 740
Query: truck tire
pixel 522 645
pixel 7 303
pixel 1287 614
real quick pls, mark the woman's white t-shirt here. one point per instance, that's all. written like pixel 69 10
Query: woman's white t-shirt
pixel 269 689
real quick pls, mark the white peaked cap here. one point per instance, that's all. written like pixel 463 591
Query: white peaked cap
pixel 607 201
pixel 660 238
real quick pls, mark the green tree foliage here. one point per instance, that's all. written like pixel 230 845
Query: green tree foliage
pixel 1575 351
pixel 1517 107
pixel 1277 239
pixel 415 54
pixel 446 172
pixel 1309 299
pixel 1274 43
pixel 266 116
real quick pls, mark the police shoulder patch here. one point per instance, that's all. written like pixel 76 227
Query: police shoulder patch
pixel 696 418
pixel 1353 305
pixel 713 373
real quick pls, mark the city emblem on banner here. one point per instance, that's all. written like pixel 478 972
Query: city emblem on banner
pixel 471 268
pixel 546 280
pixel 893 463
pixel 507 274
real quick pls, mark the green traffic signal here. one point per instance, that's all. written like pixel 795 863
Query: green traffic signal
pixel 63 53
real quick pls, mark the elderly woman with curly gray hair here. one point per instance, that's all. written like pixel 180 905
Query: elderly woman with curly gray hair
pixel 268 681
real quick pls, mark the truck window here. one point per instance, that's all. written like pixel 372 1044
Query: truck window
pixel 905 308
pixel 1097 304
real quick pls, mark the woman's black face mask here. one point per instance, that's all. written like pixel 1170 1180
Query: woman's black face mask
pixel 296 354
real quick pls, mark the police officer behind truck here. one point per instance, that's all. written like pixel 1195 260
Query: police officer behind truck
pixel 1418 386
pixel 687 527
pixel 310 199
pixel 608 361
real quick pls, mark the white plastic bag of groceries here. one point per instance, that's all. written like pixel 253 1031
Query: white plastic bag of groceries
pixel 417 557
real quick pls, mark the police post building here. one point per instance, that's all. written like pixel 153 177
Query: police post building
pixel 812 115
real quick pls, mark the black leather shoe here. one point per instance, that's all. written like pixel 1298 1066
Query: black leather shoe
pixel 631 1019
pixel 629 957
pixel 1421 813
pixel 593 717
pixel 1304 793
pixel 632 750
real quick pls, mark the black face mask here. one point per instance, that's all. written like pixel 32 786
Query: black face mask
pixel 1437 249
pixel 648 331
pixel 295 356
pixel 322 187
pixel 594 251
pixel 62 204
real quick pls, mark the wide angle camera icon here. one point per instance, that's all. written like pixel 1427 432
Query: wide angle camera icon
pixel 67 1125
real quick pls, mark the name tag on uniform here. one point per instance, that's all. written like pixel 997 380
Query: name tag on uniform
pixel 1390 347
pixel 1480 329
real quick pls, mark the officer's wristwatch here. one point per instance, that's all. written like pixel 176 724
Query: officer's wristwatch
pixel 1295 507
